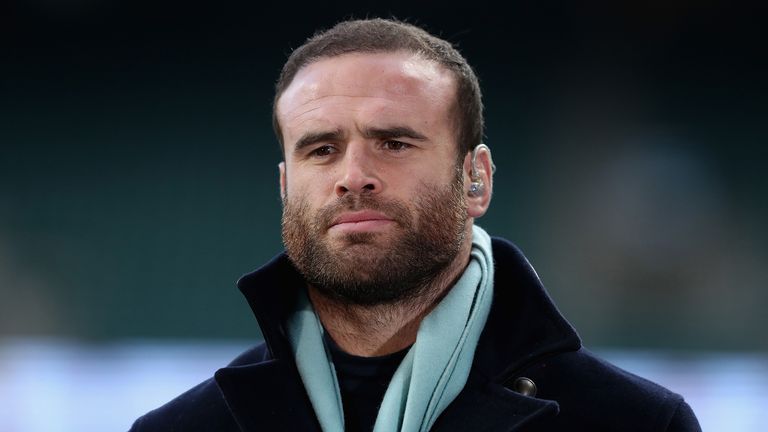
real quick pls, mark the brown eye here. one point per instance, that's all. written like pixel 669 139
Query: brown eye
pixel 396 146
pixel 325 150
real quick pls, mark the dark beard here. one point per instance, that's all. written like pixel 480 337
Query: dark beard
pixel 420 249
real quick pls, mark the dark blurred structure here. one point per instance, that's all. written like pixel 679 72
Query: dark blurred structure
pixel 138 172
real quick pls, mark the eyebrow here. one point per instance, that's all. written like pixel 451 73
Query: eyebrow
pixel 311 138
pixel 393 132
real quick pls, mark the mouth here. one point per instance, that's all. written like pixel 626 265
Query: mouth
pixel 360 221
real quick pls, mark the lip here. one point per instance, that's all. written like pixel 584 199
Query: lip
pixel 365 220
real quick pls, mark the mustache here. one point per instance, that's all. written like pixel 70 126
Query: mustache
pixel 392 208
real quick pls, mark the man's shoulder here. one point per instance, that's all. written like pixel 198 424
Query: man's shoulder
pixel 201 408
pixel 602 396
pixel 591 392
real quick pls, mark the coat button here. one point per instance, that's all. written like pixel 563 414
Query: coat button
pixel 524 386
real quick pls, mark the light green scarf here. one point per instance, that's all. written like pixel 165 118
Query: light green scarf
pixel 432 373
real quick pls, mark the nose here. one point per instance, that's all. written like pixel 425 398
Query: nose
pixel 359 174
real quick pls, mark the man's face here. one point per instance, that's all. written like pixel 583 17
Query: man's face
pixel 374 206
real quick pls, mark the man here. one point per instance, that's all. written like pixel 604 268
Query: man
pixel 390 310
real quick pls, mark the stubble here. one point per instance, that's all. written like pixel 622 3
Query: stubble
pixel 370 269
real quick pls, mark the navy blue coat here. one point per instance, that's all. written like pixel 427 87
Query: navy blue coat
pixel 525 336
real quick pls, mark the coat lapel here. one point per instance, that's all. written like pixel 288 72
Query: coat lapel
pixel 267 396
pixel 492 408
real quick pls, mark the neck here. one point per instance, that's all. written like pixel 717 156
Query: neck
pixel 384 329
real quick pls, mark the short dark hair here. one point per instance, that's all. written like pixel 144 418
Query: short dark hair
pixel 384 35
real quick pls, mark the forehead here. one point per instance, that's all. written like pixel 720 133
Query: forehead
pixel 394 83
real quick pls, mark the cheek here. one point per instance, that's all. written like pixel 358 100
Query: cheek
pixel 311 188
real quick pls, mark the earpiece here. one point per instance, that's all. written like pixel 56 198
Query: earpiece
pixel 477 187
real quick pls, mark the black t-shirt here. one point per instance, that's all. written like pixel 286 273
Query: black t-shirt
pixel 362 382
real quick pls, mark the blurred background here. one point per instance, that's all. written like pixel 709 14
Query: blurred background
pixel 138 181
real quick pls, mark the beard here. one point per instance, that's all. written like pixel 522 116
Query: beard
pixel 374 268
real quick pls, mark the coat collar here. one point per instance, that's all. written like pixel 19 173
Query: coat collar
pixel 523 326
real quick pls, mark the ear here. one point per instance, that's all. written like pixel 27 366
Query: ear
pixel 478 204
pixel 281 168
